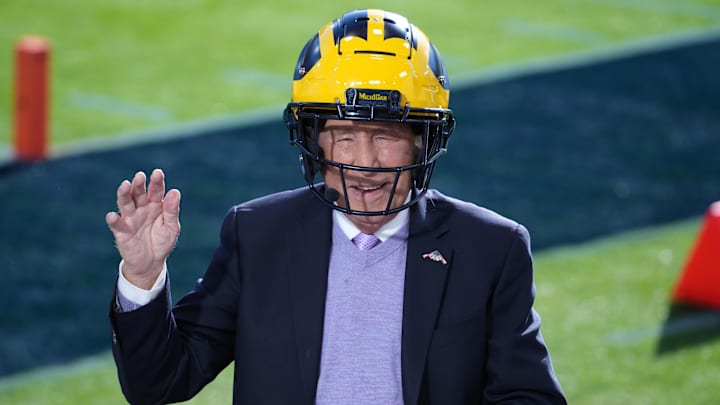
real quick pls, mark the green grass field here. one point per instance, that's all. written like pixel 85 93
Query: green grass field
pixel 123 68
pixel 119 66
pixel 601 319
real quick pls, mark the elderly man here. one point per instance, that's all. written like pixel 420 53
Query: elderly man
pixel 365 287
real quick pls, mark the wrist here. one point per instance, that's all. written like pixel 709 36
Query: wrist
pixel 131 297
pixel 144 278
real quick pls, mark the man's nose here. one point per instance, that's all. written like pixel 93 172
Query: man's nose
pixel 366 154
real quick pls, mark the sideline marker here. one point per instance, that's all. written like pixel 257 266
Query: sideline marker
pixel 699 283
pixel 32 55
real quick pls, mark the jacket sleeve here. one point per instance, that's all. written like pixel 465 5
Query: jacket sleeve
pixel 519 369
pixel 166 354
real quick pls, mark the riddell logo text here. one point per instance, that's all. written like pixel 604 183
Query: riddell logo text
pixel 372 97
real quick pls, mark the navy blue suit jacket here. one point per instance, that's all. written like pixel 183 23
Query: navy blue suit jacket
pixel 469 332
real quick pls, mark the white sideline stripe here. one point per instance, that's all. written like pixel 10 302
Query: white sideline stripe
pixel 115 106
pixel 177 131
pixel 551 31
pixel 6 153
pixel 693 323
pixel 603 53
pixel 492 74
pixel 6 149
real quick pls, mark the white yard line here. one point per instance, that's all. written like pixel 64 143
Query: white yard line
pixel 115 106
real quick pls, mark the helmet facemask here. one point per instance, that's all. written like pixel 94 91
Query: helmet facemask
pixel 432 129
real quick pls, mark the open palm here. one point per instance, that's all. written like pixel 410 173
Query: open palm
pixel 147 226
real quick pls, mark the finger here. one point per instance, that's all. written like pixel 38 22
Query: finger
pixel 156 188
pixel 139 193
pixel 125 203
pixel 171 209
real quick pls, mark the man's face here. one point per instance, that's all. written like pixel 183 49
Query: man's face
pixel 370 144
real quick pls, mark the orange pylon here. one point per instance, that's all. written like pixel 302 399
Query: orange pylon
pixel 699 283
pixel 31 98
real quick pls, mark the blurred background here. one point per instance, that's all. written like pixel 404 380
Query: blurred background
pixel 596 123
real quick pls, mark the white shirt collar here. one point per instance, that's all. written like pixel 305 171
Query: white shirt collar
pixel 389 229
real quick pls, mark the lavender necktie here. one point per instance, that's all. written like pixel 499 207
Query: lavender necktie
pixel 365 241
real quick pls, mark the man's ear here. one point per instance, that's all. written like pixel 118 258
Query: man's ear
pixel 418 151
pixel 418 142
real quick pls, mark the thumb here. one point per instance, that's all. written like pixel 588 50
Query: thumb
pixel 112 219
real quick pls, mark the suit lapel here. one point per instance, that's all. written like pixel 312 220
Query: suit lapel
pixel 308 259
pixel 424 286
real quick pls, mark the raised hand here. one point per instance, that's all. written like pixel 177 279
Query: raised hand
pixel 147 227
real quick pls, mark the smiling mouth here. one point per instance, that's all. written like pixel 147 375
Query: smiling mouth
pixel 368 188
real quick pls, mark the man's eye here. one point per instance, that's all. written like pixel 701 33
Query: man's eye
pixel 384 138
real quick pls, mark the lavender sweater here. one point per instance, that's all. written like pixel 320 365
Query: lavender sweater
pixel 360 361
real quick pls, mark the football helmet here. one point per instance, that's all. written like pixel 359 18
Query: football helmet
pixel 370 65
